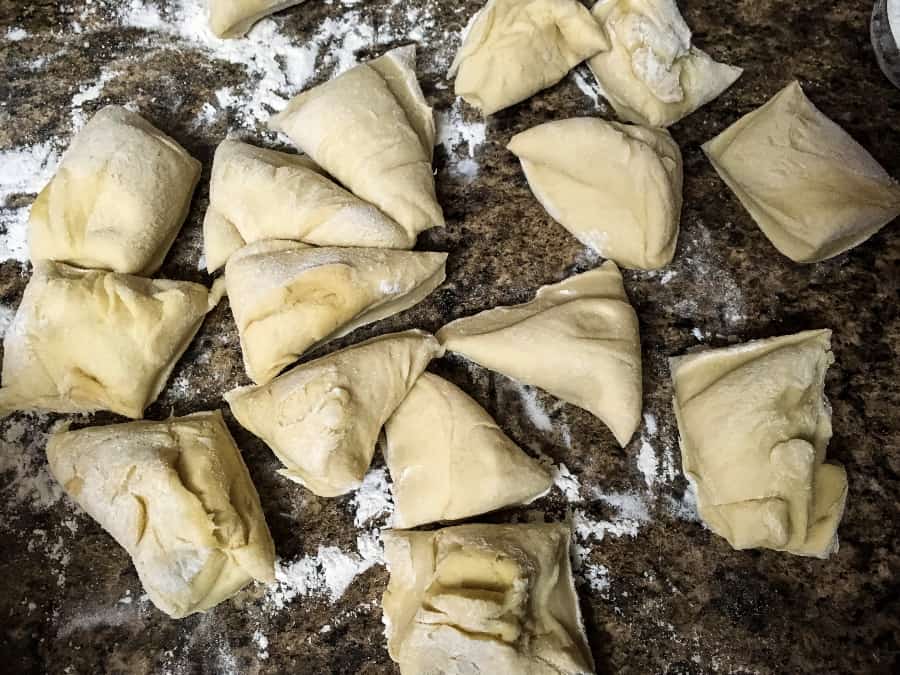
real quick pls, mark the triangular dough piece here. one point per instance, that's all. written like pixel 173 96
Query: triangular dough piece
pixel 812 189
pixel 118 198
pixel 371 129
pixel 616 187
pixel 652 74
pixel 177 496
pixel 84 340
pixel 516 48
pixel 257 194
pixel 754 427
pixel 322 418
pixel 287 297
pixel 577 340
pixel 233 18
pixel 449 460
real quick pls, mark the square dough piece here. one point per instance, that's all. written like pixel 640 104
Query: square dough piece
pixel 812 189
pixel 233 18
pixel 484 599
pixel 177 496
pixel 754 426
pixel 118 198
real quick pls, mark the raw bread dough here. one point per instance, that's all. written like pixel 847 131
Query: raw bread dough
pixel 449 460
pixel 652 75
pixel 616 187
pixel 484 599
pixel 371 128
pixel 259 194
pixel 233 18
pixel 118 198
pixel 577 339
pixel 516 48
pixel 84 340
pixel 287 297
pixel 322 418
pixel 812 189
pixel 177 496
pixel 754 427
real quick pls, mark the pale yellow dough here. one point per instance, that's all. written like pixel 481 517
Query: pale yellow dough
pixel 616 187
pixel 233 18
pixel 118 198
pixel 578 340
pixel 177 496
pixel 812 189
pixel 493 599
pixel 754 427
pixel 322 418
pixel 449 460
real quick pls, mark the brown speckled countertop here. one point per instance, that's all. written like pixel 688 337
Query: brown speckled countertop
pixel 660 593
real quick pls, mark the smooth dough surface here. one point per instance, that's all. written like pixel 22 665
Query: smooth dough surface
pixel 652 74
pixel 233 18
pixel 578 340
pixel 616 187
pixel 754 426
pixel 449 460
pixel 83 340
pixel 118 198
pixel 322 418
pixel 812 189
pixel 371 128
pixel 287 297
pixel 484 599
pixel 177 496
pixel 257 194
pixel 516 48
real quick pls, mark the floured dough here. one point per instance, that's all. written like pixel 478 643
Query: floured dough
pixel 84 340
pixel 371 128
pixel 754 427
pixel 118 198
pixel 812 189
pixel 287 297
pixel 322 418
pixel 177 496
pixel 516 48
pixel 484 599
pixel 259 194
pixel 652 74
pixel 233 18
pixel 449 460
pixel 578 340
pixel 616 187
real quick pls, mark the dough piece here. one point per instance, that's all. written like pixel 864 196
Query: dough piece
pixel 287 297
pixel 260 194
pixel 484 599
pixel 578 340
pixel 812 189
pixel 371 129
pixel 449 460
pixel 516 48
pixel 754 427
pixel 118 198
pixel 322 418
pixel 652 75
pixel 177 496
pixel 84 340
pixel 233 18
pixel 616 187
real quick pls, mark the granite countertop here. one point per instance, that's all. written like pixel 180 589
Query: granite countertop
pixel 660 593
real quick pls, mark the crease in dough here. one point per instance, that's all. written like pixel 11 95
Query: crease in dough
pixel 616 187
pixel 118 198
pixel 578 340
pixel 177 496
pixel 811 189
pixel 754 426
pixel 515 48
pixel 322 418
pixel 87 340
pixel 233 18
pixel 449 460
